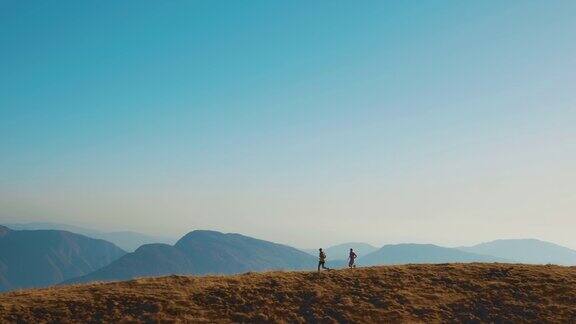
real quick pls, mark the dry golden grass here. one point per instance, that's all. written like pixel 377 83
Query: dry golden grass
pixel 410 293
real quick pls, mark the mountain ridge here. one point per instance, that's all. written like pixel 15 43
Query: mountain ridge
pixel 531 251
pixel 405 253
pixel 45 257
pixel 203 252
pixel 340 251
pixel 127 240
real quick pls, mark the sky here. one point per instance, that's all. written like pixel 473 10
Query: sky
pixel 308 123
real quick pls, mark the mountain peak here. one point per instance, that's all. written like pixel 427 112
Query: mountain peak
pixel 203 233
pixel 203 252
pixel 208 236
pixel 45 257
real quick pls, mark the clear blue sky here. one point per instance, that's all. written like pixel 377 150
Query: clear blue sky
pixel 303 122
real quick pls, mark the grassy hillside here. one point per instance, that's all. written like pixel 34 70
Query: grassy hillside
pixel 428 293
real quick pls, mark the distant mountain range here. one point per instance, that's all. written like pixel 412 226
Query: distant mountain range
pixel 422 253
pixel 127 240
pixel 45 257
pixel 36 258
pixel 203 252
pixel 341 251
pixel 526 251
pixel 529 251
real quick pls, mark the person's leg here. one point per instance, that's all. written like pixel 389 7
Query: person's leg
pixel 319 264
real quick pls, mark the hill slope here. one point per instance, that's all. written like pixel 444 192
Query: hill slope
pixel 41 258
pixel 203 252
pixel 421 253
pixel 526 251
pixel 423 293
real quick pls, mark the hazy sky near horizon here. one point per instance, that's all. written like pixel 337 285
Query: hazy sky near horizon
pixel 302 122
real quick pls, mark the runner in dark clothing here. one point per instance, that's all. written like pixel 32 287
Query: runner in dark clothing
pixel 351 257
pixel 322 260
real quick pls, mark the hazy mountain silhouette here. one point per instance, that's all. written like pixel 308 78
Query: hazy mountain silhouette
pixel 232 253
pixel 45 257
pixel 147 261
pixel 127 240
pixel 203 252
pixel 526 251
pixel 422 253
pixel 340 251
